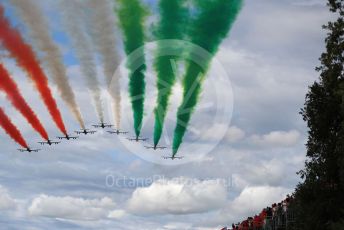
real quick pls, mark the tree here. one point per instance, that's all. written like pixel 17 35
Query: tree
pixel 319 199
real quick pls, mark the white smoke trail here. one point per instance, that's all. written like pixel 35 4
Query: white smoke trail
pixel 75 27
pixel 38 27
pixel 102 30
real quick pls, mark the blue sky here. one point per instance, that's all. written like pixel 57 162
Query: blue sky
pixel 269 57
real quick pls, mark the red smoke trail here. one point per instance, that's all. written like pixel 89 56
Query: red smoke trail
pixel 14 96
pixel 25 57
pixel 11 129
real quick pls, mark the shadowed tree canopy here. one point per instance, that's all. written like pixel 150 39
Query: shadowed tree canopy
pixel 320 197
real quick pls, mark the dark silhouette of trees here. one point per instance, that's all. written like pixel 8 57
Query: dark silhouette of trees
pixel 319 199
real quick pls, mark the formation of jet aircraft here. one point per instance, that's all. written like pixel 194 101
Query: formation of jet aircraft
pixel 103 126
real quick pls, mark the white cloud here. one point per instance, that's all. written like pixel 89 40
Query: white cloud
pixel 117 214
pixel 178 196
pixel 6 201
pixel 253 199
pixel 309 3
pixel 277 138
pixel 177 225
pixel 234 134
pixel 71 207
pixel 231 134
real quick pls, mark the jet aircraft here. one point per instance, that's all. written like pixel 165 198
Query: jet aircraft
pixel 49 142
pixel 85 131
pixel 28 149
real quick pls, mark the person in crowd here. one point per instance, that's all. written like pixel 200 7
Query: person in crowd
pixel 263 214
pixel 274 209
pixel 269 212
pixel 285 206
pixel 244 225
pixel 250 222
pixel 279 214
pixel 257 222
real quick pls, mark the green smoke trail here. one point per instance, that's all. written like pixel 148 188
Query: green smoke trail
pixel 173 17
pixel 212 24
pixel 131 15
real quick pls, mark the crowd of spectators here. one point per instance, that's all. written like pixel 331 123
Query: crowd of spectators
pixel 275 217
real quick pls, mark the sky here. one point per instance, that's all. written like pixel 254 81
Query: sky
pixel 251 159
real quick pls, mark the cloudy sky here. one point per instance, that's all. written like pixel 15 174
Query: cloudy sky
pixel 106 182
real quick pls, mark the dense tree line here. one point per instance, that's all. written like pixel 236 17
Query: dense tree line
pixel 319 199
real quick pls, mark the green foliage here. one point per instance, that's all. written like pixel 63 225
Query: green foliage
pixel 320 198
